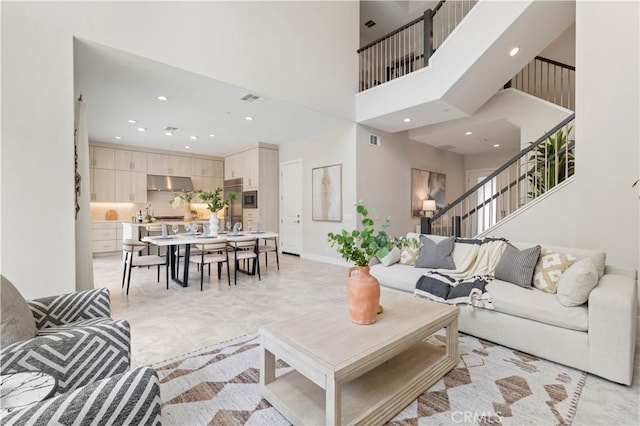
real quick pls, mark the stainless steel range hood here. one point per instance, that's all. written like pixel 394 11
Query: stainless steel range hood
pixel 169 183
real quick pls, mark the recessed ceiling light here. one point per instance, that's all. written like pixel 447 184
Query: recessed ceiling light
pixel 118 137
pixel 212 135
pixel 406 120
pixel 193 138
pixel 496 145
pixel 132 121
pixel 514 51
pixel 168 133
pixel 142 129
pixel 163 98
pixel 187 147
pixel 468 133
pixel 248 118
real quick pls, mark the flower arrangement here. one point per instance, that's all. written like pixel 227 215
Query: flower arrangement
pixel 215 201
pixel 359 246
pixel 184 197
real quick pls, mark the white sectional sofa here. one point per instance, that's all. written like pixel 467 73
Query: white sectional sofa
pixel 597 337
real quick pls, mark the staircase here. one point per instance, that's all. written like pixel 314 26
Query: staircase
pixel 535 171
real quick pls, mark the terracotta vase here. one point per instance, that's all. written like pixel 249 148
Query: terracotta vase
pixel 363 295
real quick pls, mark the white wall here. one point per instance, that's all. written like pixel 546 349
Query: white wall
pixel 295 51
pixel 488 160
pixel 337 147
pixel 563 49
pixel 384 175
pixel 608 129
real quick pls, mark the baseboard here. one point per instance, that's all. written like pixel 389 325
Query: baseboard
pixel 324 259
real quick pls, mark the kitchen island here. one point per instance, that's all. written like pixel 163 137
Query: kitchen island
pixel 131 230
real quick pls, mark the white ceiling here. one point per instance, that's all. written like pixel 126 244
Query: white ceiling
pixel 119 86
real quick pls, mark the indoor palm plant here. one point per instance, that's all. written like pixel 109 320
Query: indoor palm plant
pixel 215 202
pixel 359 246
pixel 551 162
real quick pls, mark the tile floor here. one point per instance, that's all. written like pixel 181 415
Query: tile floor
pixel 166 323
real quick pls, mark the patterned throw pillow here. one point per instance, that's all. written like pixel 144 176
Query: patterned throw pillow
pixel 409 255
pixel 549 268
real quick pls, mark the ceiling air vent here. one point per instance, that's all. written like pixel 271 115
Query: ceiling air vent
pixel 370 23
pixel 374 140
pixel 252 99
pixel 172 130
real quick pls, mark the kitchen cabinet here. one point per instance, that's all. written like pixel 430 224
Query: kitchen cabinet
pixel 251 219
pixel 131 160
pixel 250 169
pixel 157 164
pixel 102 185
pixel 201 167
pixel 218 169
pixel 101 158
pixel 106 237
pixel 202 182
pixel 179 166
pixel 130 186
pixel 233 166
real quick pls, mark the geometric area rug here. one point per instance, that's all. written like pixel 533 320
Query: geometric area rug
pixel 491 385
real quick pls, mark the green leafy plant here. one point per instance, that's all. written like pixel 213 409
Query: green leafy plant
pixel 552 156
pixel 215 201
pixel 359 246
pixel 180 198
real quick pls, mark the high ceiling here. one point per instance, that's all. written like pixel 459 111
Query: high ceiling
pixel 119 86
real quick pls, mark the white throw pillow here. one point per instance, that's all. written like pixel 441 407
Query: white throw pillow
pixel 576 283
pixel 391 258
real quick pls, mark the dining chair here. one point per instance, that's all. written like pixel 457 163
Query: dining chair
pixel 130 248
pixel 267 247
pixel 212 250
pixel 244 248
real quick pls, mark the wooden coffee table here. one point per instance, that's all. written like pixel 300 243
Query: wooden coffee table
pixel 346 373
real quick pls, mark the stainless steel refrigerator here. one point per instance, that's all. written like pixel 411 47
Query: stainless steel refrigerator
pixel 233 213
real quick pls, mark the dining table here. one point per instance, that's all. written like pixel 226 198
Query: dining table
pixel 173 242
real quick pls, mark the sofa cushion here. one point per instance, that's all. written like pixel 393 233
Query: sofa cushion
pixel 392 257
pixel 399 277
pixel 436 255
pixel 550 267
pixel 577 282
pixel 516 266
pixel 536 305
pixel 17 323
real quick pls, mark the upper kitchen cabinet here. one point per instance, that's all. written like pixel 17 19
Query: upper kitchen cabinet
pixel 168 165
pixel 233 166
pixel 201 167
pixel 157 164
pixel 131 160
pixel 102 185
pixel 251 168
pixel 101 158
pixel 218 169
pixel 130 186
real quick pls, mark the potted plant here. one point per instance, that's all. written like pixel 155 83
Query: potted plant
pixel 553 156
pixel 215 203
pixel 183 198
pixel 359 246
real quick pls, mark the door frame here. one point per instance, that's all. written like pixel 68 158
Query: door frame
pixel 281 214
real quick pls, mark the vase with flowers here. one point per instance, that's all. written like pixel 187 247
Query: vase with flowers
pixel 215 202
pixel 359 246
pixel 183 198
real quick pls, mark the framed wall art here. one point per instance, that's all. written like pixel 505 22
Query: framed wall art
pixel 326 193
pixel 426 185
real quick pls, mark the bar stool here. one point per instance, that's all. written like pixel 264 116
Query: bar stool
pixel 130 248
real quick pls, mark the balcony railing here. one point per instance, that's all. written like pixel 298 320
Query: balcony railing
pixel 409 47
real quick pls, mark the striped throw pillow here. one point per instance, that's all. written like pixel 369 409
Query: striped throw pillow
pixel 516 266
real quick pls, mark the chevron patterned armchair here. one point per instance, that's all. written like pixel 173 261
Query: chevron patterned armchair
pixel 73 338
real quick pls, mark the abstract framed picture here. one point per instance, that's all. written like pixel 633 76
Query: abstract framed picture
pixel 326 193
pixel 426 185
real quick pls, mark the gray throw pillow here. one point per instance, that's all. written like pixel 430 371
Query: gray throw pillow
pixel 517 266
pixel 436 255
pixel 17 322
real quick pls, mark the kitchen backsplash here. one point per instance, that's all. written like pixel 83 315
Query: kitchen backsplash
pixel 159 202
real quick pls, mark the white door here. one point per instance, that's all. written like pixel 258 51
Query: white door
pixel 486 215
pixel 291 207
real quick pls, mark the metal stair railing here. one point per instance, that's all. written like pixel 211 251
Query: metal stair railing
pixel 535 170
